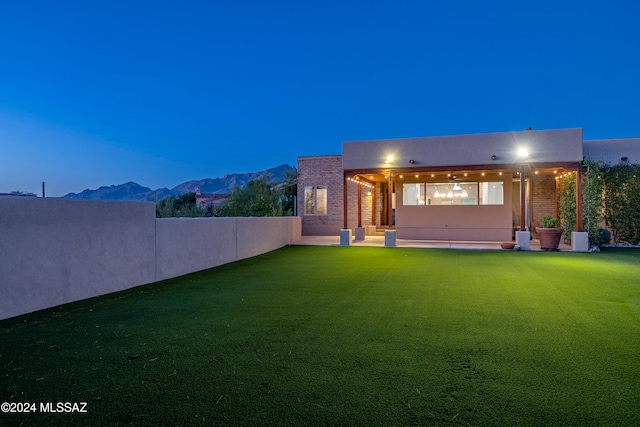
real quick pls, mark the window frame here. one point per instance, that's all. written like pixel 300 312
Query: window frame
pixel 424 197
pixel 314 191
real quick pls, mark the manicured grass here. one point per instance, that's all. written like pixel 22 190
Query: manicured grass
pixel 345 336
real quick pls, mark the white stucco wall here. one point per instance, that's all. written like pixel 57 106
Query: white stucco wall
pixel 544 146
pixel 470 222
pixel 55 251
pixel 611 151
pixel 185 245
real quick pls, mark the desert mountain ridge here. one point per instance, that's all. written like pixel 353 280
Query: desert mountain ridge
pixel 131 191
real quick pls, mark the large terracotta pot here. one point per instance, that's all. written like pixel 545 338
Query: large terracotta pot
pixel 549 238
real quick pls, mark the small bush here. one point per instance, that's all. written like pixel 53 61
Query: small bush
pixel 549 222
pixel 604 236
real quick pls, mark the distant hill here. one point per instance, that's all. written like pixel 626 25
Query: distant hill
pixel 134 192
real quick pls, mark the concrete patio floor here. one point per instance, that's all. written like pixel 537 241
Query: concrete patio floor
pixel 405 243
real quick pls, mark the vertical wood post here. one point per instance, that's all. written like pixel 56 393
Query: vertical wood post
pixel 346 201
pixel 359 205
pixel 579 225
pixel 523 204
pixel 389 201
pixel 373 205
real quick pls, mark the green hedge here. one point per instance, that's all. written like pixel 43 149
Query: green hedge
pixel 609 193
pixel 621 197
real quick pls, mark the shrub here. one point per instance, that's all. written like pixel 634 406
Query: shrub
pixel 183 205
pixel 549 222
pixel 604 236
pixel 258 198
pixel 622 202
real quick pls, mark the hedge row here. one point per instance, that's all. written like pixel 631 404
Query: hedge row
pixel 611 194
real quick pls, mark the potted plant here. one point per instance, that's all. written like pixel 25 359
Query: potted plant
pixel 550 233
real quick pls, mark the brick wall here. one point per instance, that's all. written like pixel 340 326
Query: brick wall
pixel 325 171
pixel 366 204
pixel 544 201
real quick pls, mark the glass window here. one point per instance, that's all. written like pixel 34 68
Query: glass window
pixel 492 193
pixel 315 200
pixel 321 200
pixel 413 194
pixel 455 193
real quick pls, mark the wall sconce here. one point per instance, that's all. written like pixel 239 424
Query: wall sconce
pixel 412 161
pixel 494 157
pixel 624 158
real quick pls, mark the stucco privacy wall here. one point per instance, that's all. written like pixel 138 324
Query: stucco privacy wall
pixel 185 245
pixel 55 251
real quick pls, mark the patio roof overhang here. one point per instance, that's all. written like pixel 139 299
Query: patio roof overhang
pixel 488 151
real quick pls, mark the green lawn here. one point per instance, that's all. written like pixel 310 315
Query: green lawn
pixel 345 336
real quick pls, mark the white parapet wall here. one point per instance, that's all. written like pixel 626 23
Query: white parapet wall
pixel 56 251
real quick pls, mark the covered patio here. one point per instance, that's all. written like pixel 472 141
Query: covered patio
pixel 462 188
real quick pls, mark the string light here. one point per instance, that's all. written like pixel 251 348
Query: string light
pixel 363 183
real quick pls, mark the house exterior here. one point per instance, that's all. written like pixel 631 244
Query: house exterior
pixel 209 200
pixel 465 187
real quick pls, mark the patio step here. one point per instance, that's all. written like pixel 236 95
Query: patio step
pixel 380 230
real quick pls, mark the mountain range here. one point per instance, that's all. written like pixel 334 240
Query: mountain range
pixel 132 191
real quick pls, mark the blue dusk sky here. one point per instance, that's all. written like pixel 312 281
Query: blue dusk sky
pixel 100 92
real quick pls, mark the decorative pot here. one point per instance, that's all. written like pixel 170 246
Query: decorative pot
pixel 549 238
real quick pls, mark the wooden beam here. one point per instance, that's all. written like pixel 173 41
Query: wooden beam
pixel 359 205
pixel 389 201
pixel 462 168
pixel 579 225
pixel 346 201
pixel 373 205
pixel 523 202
